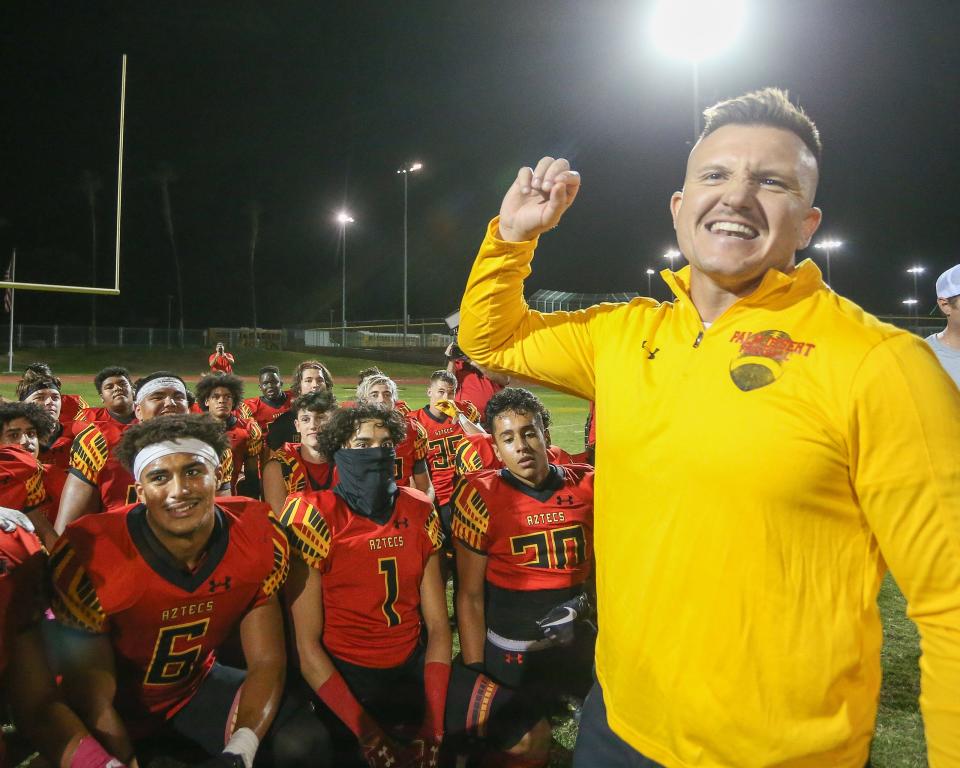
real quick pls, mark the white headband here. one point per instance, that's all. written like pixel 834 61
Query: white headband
pixel 191 445
pixel 164 382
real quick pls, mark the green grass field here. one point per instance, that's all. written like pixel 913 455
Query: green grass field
pixel 898 742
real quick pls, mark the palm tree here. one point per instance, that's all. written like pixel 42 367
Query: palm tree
pixel 255 210
pixel 163 177
pixel 91 185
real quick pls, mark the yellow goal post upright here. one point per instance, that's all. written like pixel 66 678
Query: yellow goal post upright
pixel 12 284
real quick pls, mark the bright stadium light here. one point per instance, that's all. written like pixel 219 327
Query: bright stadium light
pixel 343 218
pixel 406 171
pixel 650 274
pixel 672 254
pixel 911 302
pixel 828 247
pixel 694 30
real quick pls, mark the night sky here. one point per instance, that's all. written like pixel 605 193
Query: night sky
pixel 301 107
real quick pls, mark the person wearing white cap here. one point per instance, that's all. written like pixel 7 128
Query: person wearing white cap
pixel 946 344
pixel 145 596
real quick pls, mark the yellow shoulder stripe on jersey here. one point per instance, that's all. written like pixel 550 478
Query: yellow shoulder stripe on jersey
pixel 470 515
pixel 434 530
pixel 281 559
pixel 75 600
pixel 89 453
pixel 307 531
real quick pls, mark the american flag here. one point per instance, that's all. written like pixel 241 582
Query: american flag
pixel 8 294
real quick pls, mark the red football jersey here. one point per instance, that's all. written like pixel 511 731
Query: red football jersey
pixel 262 412
pixel 533 539
pixel 300 475
pixel 412 452
pixel 92 459
pixel 443 438
pixel 111 576
pixel 473 385
pixel 21 479
pixel 102 414
pixel 21 584
pixel 476 453
pixel 70 407
pixel 246 441
pixel 58 453
pixel 371 572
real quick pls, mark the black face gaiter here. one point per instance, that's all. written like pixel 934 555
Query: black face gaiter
pixel 366 481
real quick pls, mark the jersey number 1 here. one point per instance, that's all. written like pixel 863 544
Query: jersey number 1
pixel 388 567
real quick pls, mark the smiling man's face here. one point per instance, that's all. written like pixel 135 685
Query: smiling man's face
pixel 746 205
pixel 178 490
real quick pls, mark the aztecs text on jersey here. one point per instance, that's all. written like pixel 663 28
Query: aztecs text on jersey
pixel 246 441
pixel 371 572
pixel 112 576
pixel 301 475
pixel 443 439
pixel 262 412
pixel 532 538
pixel 21 584
pixel 412 452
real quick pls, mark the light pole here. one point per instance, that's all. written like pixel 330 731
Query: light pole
pixel 343 218
pixel 916 270
pixel 828 247
pixel 405 172
pixel 650 274
pixel 688 30
pixel 912 305
pixel 671 255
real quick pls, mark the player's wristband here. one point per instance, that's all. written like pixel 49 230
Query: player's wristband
pixel 243 743
pixel 341 701
pixel 91 754
pixel 436 680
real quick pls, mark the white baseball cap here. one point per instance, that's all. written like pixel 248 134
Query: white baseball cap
pixel 948 284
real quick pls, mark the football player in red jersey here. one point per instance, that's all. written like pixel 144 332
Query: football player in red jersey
pixel 309 376
pixel 475 383
pixel 378 389
pixel 55 446
pixel 366 373
pixel 25 678
pixel 26 425
pixel 446 426
pixel 147 594
pixel 218 395
pixel 301 466
pixel 116 393
pixel 70 405
pixel 365 581
pixel 524 544
pixel 97 479
pixel 477 452
pixel 272 400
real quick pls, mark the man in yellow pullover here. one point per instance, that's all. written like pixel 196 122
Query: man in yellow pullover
pixel 790 449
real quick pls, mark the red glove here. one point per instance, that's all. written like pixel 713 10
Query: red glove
pixel 378 750
pixel 436 680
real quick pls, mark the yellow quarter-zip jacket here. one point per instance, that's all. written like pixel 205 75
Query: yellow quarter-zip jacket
pixel 754 481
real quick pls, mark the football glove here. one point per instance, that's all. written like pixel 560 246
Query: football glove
pixel 558 624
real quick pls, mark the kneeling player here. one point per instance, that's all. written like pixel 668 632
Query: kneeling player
pixel 147 594
pixel 524 544
pixel 365 581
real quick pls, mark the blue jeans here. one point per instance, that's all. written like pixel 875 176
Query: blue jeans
pixel 597 745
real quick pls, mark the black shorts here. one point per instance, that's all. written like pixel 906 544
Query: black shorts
pixel 544 676
pixel 479 713
pixel 200 728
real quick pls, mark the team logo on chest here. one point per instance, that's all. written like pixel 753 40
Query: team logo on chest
pixel 224 585
pixel 762 357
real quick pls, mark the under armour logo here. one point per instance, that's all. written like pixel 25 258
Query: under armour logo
pixel 513 658
pixel 433 755
pixel 385 755
pixel 650 355
pixel 401 522
pixel 215 585
pixel 561 500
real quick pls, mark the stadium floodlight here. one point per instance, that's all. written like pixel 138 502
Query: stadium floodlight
pixel 911 302
pixel 406 171
pixel 912 305
pixel 671 255
pixel 694 30
pixel 828 247
pixel 650 274
pixel 915 270
pixel 343 218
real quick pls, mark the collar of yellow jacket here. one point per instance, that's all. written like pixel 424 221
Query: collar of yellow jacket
pixel 802 281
